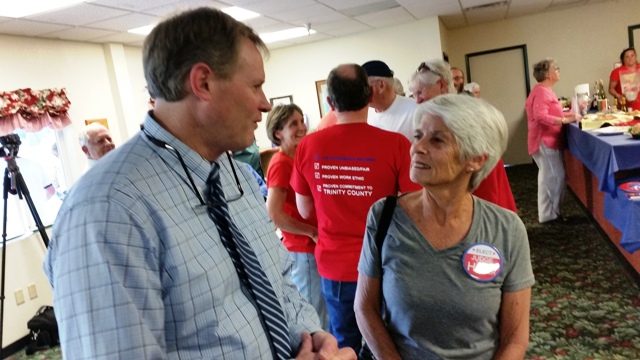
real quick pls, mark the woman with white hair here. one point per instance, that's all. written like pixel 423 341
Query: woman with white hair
pixel 545 139
pixel 473 89
pixel 452 275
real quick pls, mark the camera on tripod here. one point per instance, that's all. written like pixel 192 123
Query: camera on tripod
pixel 10 145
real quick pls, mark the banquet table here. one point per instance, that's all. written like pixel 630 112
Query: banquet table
pixel 604 155
pixel 596 165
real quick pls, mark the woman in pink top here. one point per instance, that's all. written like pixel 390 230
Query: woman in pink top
pixel 545 119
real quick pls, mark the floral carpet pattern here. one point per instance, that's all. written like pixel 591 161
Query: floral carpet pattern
pixel 585 304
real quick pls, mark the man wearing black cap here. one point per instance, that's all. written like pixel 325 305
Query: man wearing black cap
pixel 387 110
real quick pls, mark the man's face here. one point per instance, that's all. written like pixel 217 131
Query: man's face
pixel 458 79
pixel 99 144
pixel 238 103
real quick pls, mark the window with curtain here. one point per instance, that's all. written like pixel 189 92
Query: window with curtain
pixel 34 116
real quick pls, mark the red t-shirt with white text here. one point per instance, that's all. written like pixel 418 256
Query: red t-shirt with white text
pixel 346 168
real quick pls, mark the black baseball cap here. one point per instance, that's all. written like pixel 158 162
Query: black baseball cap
pixel 377 68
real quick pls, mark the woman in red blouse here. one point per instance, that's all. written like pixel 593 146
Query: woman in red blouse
pixel 285 128
pixel 623 80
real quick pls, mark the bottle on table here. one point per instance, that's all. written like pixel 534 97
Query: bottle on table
pixel 623 104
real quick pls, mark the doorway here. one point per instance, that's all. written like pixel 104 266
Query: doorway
pixel 503 76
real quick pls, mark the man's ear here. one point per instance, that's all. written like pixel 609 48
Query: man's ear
pixel 330 104
pixel 200 81
pixel 85 150
pixel 444 88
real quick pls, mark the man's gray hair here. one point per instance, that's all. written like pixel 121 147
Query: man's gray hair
pixel 83 137
pixel 477 126
pixel 431 71
pixel 397 87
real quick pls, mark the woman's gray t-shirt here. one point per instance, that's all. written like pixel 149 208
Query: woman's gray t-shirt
pixel 432 307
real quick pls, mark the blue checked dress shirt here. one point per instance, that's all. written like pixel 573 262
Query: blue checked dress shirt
pixel 138 269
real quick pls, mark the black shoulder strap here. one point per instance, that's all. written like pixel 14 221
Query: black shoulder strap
pixel 384 221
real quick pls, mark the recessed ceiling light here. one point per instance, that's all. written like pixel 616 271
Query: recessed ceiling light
pixel 142 30
pixel 239 13
pixel 286 34
pixel 22 8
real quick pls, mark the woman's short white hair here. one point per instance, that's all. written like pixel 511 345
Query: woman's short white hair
pixel 431 71
pixel 470 87
pixel 477 126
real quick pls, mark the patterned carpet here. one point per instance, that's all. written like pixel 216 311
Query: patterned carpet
pixel 585 305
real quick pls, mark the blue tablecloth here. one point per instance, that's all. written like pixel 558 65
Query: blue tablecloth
pixel 624 214
pixel 603 154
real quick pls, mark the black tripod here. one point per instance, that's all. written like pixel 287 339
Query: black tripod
pixel 14 184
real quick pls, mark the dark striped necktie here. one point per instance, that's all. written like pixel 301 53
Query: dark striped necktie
pixel 248 268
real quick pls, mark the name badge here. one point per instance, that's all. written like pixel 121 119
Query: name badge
pixel 482 262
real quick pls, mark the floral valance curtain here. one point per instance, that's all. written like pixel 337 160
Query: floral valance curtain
pixel 33 110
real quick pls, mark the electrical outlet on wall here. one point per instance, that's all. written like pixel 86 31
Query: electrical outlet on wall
pixel 33 293
pixel 19 297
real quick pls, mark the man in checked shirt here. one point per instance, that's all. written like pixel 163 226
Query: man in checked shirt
pixel 136 264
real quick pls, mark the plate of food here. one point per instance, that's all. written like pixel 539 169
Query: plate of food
pixel 630 186
pixel 611 130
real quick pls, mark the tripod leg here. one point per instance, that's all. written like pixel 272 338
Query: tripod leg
pixel 22 189
pixel 5 194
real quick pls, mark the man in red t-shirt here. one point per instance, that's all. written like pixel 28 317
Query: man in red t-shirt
pixel 339 173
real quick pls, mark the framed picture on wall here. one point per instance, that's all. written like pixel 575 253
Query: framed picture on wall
pixel 101 121
pixel 321 92
pixel 282 100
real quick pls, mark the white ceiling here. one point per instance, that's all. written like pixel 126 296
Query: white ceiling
pixel 107 21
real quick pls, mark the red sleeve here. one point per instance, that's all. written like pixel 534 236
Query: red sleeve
pixel 404 180
pixel 298 182
pixel 279 173
pixel 615 75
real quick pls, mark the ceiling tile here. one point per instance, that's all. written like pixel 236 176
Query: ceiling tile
pixel 340 24
pixel 315 13
pixel 342 4
pixel 261 22
pixel 79 34
pixel 183 5
pixel 386 18
pixel 126 22
pixel 78 15
pixel 28 28
pixel 134 5
pixel 273 7
pixel 418 9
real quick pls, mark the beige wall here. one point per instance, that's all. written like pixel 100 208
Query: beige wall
pixel 585 41
pixel 24 267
